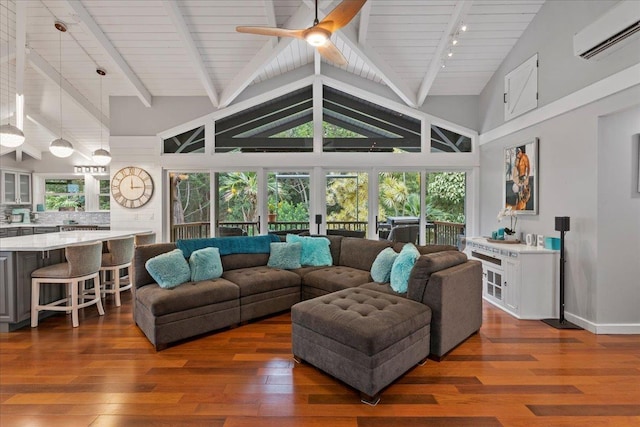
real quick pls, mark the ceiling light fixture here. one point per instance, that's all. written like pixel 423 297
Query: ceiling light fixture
pixel 450 54
pixel 463 27
pixel 10 136
pixel 317 36
pixel 101 156
pixel 61 147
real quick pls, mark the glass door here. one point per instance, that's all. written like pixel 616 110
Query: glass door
pixel 399 206
pixel 288 201
pixel 347 203
pixel 190 201
pixel 445 200
pixel 237 212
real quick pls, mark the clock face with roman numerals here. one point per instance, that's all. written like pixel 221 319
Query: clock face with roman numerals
pixel 132 187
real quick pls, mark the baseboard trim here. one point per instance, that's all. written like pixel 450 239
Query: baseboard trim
pixel 604 328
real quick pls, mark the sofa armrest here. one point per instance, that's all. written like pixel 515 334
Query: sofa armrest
pixel 455 298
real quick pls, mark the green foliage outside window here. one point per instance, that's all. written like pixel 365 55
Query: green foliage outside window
pixel 65 193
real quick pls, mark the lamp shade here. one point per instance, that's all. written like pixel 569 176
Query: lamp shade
pixel 11 136
pixel 61 148
pixel 101 157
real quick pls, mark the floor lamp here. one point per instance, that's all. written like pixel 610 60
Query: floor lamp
pixel 562 225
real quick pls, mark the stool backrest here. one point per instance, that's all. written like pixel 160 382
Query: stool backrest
pixel 121 250
pixel 145 239
pixel 83 259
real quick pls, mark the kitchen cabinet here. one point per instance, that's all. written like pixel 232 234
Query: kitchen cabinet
pixel 16 188
pixel 521 280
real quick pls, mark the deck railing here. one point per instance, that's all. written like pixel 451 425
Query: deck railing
pixel 438 232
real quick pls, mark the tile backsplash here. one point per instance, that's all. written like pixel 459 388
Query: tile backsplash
pixel 58 218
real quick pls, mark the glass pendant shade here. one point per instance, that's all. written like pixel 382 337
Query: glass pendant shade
pixel 101 157
pixel 61 148
pixel 11 136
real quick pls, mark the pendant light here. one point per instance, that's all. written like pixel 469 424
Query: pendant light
pixel 10 136
pixel 61 147
pixel 101 156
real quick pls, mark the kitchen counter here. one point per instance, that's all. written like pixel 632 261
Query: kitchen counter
pixel 50 241
pixel 37 224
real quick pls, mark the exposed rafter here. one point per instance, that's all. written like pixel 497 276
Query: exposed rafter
pixel 270 14
pixel 93 29
pixel 25 148
pixel 173 10
pixel 460 10
pixel 365 14
pixel 379 66
pixel 244 78
pixel 47 71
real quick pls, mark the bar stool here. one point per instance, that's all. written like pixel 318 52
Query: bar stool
pixel 118 258
pixel 83 263
pixel 144 239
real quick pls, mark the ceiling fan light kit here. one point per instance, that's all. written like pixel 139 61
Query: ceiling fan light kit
pixel 319 34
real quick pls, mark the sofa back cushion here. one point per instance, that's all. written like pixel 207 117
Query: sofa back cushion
pixel 426 249
pixel 428 264
pixel 235 261
pixel 360 253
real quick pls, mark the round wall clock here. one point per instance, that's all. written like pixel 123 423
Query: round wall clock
pixel 132 187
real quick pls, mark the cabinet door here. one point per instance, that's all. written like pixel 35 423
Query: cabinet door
pixel 26 231
pixel 24 188
pixel 7 307
pixel 493 281
pixel 512 285
pixel 9 194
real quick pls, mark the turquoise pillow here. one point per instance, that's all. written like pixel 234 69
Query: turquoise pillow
pixel 285 255
pixel 169 269
pixel 315 250
pixel 205 264
pixel 381 267
pixel 402 267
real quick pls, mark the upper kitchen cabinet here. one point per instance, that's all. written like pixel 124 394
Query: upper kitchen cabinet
pixel 16 188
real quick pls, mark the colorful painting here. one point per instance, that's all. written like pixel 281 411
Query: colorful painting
pixel 520 187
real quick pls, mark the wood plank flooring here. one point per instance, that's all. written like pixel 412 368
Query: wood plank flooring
pixel 513 373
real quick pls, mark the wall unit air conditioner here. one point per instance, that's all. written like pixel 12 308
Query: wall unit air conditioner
pixel 618 25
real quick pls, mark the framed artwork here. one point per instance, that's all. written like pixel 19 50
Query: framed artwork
pixel 520 184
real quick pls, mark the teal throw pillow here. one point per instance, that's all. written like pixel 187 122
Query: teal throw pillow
pixel 169 269
pixel 315 250
pixel 402 267
pixel 285 255
pixel 205 264
pixel 381 267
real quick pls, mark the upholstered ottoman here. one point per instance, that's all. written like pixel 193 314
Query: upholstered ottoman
pixel 362 337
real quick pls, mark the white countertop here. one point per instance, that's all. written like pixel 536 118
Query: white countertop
pixel 483 243
pixel 38 224
pixel 49 241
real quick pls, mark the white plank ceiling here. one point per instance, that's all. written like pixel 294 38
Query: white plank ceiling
pixel 190 48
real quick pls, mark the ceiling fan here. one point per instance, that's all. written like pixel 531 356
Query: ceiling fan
pixel 318 35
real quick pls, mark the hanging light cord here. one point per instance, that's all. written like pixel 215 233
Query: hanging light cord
pixel 60 79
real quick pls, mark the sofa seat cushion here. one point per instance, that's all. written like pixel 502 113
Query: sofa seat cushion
pixel 160 301
pixel 260 279
pixel 333 279
pixel 385 288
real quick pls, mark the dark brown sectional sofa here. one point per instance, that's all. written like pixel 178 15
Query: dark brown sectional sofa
pixel 442 278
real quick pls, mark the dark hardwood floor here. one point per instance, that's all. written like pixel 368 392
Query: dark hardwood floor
pixel 513 373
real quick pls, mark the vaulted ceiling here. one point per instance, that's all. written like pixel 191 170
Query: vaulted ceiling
pixel 153 48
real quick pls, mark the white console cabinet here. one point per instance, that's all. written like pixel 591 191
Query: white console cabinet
pixel 522 280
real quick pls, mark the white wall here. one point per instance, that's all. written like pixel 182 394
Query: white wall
pixel 571 174
pixel 618 252
pixel 560 73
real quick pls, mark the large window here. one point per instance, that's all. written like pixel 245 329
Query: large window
pixel 191 141
pixel 104 199
pixel 64 194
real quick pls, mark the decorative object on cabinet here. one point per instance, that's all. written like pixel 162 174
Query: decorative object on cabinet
pixel 562 225
pixel 132 187
pixel 60 147
pixel 520 186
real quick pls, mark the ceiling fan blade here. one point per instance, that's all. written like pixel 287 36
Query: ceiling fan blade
pixel 342 14
pixel 331 53
pixel 271 31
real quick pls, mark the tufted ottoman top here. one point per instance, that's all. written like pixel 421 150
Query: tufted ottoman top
pixel 366 320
